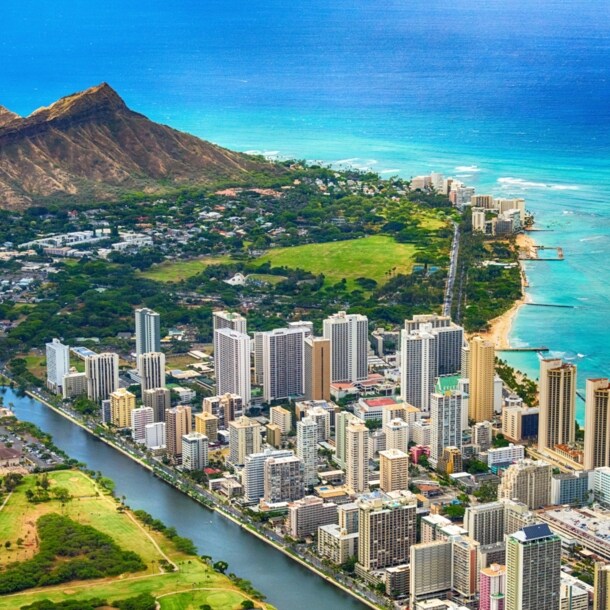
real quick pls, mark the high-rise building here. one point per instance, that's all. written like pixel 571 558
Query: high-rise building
pixel 520 422
pixel 418 366
pixel 148 331
pixel 122 403
pixel 349 341
pixel 342 420
pixel 206 423
pixel 274 435
pixel 533 569
pixel 178 423
pixel 155 435
pixel 229 320
pixel 430 569
pixel 485 522
pixel 232 361
pixel 159 400
pixel 396 434
pixel 322 418
pixel 102 372
pixel 284 481
pixel 597 424
pixel 557 403
pixel 336 544
pixel 307 449
pixel 466 563
pixel 393 470
pixel 282 366
pixel 387 525
pixel 306 515
pixel 450 340
pixel 601 595
pixel 140 418
pixel 570 488
pixel 482 435
pixel 450 460
pixel 74 384
pixel 194 451
pixel 446 417
pixel 316 366
pixel 282 418
pixel 58 365
pixel 527 481
pixel 492 587
pixel 481 373
pixel 253 474
pixel 357 457
pixel 226 408
pixel 244 439
pixel 151 369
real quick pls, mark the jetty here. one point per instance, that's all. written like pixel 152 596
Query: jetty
pixel 550 305
pixel 533 253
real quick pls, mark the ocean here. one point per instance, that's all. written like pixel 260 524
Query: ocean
pixel 511 96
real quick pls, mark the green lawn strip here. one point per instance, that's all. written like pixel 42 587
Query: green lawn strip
pixel 373 257
pixel 180 270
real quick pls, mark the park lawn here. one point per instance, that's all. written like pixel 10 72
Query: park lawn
pixel 180 361
pixel 36 364
pixel 373 257
pixel 174 271
pixel 18 518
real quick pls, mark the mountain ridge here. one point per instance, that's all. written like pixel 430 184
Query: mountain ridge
pixel 90 144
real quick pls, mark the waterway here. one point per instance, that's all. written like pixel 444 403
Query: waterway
pixel 286 584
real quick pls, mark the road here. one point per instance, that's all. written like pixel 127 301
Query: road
pixel 455 247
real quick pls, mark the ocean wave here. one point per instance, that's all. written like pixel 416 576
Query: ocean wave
pixel 508 182
pixel 468 168
pixel 389 171
pixel 265 153
pixel 593 238
pixel 568 213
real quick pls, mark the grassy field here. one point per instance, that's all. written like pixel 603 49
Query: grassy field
pixel 192 585
pixel 371 257
pixel 37 364
pixel 181 270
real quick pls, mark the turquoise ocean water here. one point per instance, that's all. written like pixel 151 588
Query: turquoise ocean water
pixel 508 95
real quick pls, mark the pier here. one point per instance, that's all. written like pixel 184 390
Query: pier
pixel 550 305
pixel 533 253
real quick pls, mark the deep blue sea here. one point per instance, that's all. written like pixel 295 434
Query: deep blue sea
pixel 512 96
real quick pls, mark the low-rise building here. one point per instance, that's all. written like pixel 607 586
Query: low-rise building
pixel 337 544
pixel 305 516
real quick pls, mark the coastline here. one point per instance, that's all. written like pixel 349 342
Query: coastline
pixel 500 327
pixel 217 508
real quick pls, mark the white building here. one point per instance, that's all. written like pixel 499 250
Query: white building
pixel 194 451
pixel 148 331
pixel 446 418
pixel 155 435
pixel 349 342
pixel 505 455
pixel 102 372
pixel 282 362
pixel 151 369
pixel 419 366
pixel 58 365
pixel 307 449
pixel 233 363
pixel 230 321
pixel 253 473
pixel 140 418
pixel 397 435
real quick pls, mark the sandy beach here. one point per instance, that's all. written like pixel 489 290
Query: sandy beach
pixel 499 328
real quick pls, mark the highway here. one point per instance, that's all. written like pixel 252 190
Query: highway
pixel 455 247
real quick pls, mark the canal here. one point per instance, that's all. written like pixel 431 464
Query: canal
pixel 286 584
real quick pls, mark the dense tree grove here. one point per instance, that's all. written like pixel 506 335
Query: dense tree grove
pixel 68 551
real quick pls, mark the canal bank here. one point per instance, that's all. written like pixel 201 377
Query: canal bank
pixel 287 581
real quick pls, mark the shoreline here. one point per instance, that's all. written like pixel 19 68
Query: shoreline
pixel 500 327
pixel 216 508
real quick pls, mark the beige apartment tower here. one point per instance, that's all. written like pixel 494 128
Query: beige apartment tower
pixel 527 481
pixel 122 403
pixel 177 424
pixel 597 424
pixel 244 439
pixel 282 418
pixel 557 404
pixel 357 457
pixel 206 423
pixel 601 595
pixel 159 399
pixel 317 368
pixel 387 527
pixel 394 470
pixel 481 372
